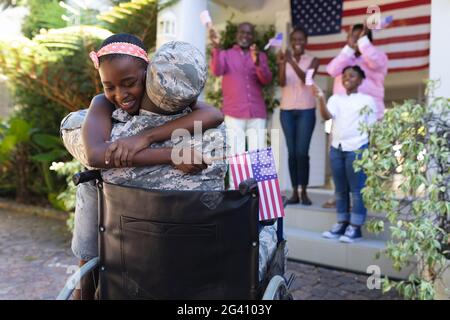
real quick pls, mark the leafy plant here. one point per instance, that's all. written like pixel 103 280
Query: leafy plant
pixel 50 74
pixel 213 89
pixel 407 167
pixel 67 170
pixel 55 65
pixel 42 15
pixel 68 196
pixel 5 4
pixel 20 147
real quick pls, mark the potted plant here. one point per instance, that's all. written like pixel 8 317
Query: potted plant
pixel 407 167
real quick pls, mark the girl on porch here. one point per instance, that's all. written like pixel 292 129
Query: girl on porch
pixel 347 112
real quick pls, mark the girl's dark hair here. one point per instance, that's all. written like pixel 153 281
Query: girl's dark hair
pixel 299 29
pixel 358 69
pixel 360 26
pixel 122 37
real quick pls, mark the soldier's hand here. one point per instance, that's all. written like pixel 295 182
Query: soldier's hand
pixel 189 160
pixel 122 151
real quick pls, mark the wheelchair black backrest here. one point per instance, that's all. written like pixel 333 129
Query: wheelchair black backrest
pixel 178 244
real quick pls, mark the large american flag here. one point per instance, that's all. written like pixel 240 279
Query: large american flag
pixel 260 165
pixel 406 40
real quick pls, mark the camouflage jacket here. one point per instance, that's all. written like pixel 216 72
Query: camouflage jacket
pixel 161 177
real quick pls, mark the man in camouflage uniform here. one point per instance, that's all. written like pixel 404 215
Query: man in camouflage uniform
pixel 173 62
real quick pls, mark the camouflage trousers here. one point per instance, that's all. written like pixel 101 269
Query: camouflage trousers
pixel 85 244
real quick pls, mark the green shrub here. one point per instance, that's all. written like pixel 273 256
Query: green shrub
pixel 407 167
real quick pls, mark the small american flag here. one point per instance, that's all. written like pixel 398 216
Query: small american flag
pixel 404 34
pixel 277 41
pixel 260 165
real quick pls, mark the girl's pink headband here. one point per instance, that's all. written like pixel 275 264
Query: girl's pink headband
pixel 118 47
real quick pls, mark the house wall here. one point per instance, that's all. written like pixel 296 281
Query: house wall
pixel 11 21
pixel 440 46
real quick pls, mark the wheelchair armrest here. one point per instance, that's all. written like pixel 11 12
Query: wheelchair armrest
pixel 86 176
pixel 248 186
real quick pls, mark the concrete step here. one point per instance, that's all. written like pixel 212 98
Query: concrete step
pixel 318 219
pixel 309 246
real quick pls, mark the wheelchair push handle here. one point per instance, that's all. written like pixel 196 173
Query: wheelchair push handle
pixel 248 186
pixel 85 176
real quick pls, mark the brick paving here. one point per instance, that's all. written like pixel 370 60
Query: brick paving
pixel 35 258
pixel 319 283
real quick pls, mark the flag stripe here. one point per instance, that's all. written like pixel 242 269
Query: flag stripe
pixel 352 4
pixel 263 215
pixel 382 34
pixel 275 195
pixel 393 49
pixel 421 67
pixel 270 199
pixel 234 170
pixel 385 7
pixel 243 167
pixel 397 23
pixel 280 201
pixel 377 42
pixel 266 200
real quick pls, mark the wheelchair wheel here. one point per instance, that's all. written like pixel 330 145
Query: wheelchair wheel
pixel 277 289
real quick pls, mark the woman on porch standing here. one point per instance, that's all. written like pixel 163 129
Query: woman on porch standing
pixel 298 111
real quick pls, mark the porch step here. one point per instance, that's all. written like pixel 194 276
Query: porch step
pixel 309 246
pixel 304 225
pixel 316 218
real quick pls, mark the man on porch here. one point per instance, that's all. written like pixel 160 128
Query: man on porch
pixel 245 71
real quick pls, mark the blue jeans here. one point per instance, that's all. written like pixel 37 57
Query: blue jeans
pixel 298 127
pixel 347 180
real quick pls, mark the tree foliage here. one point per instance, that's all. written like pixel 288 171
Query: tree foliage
pixel 408 175
pixel 42 15
pixel 50 74
pixel 55 65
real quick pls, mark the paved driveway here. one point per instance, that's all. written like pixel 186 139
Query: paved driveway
pixel 35 261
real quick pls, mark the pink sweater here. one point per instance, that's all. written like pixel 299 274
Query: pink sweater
pixel 373 61
pixel 295 95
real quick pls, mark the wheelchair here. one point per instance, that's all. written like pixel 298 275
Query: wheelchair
pixel 180 245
